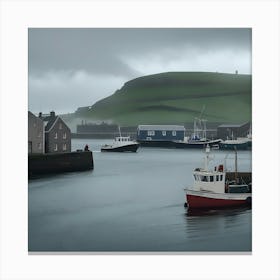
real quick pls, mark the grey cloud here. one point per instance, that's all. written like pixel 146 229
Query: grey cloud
pixel 64 92
pixel 102 50
pixel 72 67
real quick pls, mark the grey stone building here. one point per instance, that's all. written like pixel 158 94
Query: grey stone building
pixel 36 139
pixel 57 134
pixel 229 131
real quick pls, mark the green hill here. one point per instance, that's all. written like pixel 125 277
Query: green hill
pixel 177 97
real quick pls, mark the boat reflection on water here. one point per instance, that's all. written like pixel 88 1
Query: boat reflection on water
pixel 229 211
pixel 219 230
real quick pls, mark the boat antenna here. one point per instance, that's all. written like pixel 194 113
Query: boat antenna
pixel 120 131
pixel 225 161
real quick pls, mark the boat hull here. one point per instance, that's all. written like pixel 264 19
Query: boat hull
pixel 156 144
pixel 196 144
pixel 179 145
pixel 126 148
pixel 211 200
pixel 231 146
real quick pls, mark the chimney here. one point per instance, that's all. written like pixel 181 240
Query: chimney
pixel 40 115
pixel 52 114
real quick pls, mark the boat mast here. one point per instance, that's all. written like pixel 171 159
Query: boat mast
pixel 120 131
pixel 198 125
pixel 225 161
pixel 206 158
pixel 204 128
pixel 235 163
pixel 194 128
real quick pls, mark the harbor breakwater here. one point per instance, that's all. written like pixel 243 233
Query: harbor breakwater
pixel 43 164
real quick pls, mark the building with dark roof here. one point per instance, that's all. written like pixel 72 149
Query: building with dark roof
pixel 232 131
pixel 57 134
pixel 160 132
pixel 36 141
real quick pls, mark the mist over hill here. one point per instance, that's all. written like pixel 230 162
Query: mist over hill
pixel 176 97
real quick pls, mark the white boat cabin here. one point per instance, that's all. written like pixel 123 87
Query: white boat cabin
pixel 122 139
pixel 210 181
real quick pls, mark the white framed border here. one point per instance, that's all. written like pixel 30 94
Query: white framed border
pixel 262 16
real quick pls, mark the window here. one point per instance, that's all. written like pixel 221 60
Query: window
pixel 64 135
pixel 203 178
pixel 55 147
pixel 151 133
pixel 221 177
pixel 39 145
pixel 211 178
pixel 217 177
pixel 163 133
pixel 64 147
pixel 55 135
pixel 173 133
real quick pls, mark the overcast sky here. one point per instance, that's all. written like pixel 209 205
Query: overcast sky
pixel 71 68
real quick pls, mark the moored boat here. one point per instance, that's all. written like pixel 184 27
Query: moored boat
pixel 121 144
pixel 196 143
pixel 218 188
pixel 198 139
pixel 238 144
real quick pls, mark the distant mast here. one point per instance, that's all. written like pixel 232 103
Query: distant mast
pixel 235 173
pixel 120 131
pixel 206 158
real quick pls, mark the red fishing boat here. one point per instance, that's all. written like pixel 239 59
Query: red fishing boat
pixel 218 188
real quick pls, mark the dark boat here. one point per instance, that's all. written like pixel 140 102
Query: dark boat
pixel 198 139
pixel 238 144
pixel 197 144
pixel 121 144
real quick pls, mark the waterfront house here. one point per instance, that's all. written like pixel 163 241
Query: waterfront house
pixel 57 134
pixel 36 141
pixel 160 132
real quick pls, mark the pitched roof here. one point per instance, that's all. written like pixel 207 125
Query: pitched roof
pixel 232 125
pixel 31 115
pixel 49 121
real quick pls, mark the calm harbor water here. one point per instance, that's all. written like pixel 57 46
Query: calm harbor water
pixel 133 202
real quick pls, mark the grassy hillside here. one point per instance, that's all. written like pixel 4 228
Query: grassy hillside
pixel 177 97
